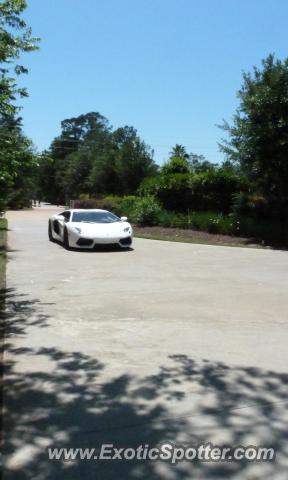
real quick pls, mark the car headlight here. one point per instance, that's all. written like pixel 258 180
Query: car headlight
pixel 78 230
pixel 127 229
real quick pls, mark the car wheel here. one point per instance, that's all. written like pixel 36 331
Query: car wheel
pixel 50 232
pixel 66 239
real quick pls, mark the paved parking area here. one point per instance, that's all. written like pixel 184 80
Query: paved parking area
pixel 166 342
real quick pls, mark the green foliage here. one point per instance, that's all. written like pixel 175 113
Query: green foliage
pixel 182 162
pixel 121 206
pixel 173 191
pixel 179 151
pixel 133 160
pixel 15 38
pixel 44 179
pixel 19 198
pixel 141 210
pixel 146 211
pixel 17 164
pixel 252 205
pixel 205 221
pixel 209 190
pixel 175 165
pixel 267 231
pixel 126 204
pixel 199 164
pixel 258 137
pixel 90 157
pixel 214 189
pixel 106 203
pixel 16 157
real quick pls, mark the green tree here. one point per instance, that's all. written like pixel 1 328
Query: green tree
pixel 17 162
pixel 45 185
pixel 16 157
pixel 90 128
pixel 199 164
pixel 177 162
pixel 179 151
pixel 15 38
pixel 81 141
pixel 258 136
pixel 123 165
pixel 89 158
pixel 175 165
pixel 103 178
pixel 134 160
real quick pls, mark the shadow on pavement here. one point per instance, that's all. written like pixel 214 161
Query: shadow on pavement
pixel 70 405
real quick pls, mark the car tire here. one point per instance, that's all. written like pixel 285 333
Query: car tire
pixel 50 232
pixel 66 239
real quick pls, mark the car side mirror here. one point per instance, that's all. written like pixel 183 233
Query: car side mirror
pixel 123 219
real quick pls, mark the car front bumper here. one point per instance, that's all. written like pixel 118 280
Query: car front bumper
pixel 88 242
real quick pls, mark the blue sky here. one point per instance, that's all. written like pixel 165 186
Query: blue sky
pixel 170 68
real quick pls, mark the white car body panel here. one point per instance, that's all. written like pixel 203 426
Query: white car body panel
pixel 92 233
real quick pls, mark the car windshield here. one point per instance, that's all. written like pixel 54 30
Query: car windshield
pixel 95 217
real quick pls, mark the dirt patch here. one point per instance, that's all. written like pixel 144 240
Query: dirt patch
pixel 192 236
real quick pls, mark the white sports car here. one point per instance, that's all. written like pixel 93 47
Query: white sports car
pixel 88 228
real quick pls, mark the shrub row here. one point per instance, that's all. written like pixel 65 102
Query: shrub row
pixel 210 190
pixel 147 211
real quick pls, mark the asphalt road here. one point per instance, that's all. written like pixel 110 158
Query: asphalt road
pixel 166 342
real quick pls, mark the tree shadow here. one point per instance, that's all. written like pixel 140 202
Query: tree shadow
pixel 65 399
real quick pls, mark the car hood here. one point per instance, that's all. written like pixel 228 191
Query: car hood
pixel 100 228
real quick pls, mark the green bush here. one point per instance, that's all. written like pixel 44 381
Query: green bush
pixel 119 205
pixel 250 205
pixel 127 204
pixel 263 229
pixel 3 205
pixel 213 222
pixel 205 221
pixel 84 196
pixel 173 191
pixel 146 211
pixel 175 165
pixel 214 190
pixel 18 199
pixel 122 206
pixel 205 191
pixel 107 203
pixel 173 219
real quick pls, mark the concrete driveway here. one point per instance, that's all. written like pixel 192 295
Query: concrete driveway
pixel 167 342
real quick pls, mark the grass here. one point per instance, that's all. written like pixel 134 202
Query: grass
pixel 3 239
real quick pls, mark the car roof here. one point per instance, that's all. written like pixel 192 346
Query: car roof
pixel 86 210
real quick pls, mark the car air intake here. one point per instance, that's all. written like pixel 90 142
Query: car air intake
pixel 126 241
pixel 84 242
